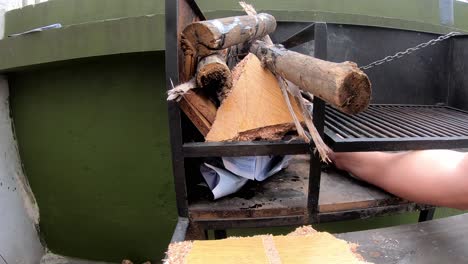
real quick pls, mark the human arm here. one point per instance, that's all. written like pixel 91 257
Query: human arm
pixel 437 177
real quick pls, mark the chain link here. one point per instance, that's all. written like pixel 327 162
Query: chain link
pixel 409 50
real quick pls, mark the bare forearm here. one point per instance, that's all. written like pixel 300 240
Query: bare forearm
pixel 436 177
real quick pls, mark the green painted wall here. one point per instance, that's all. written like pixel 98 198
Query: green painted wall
pixel 93 138
pixel 125 35
pixel 70 12
pixel 97 28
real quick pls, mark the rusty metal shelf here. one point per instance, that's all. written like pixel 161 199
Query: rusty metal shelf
pixel 397 127
pixel 282 200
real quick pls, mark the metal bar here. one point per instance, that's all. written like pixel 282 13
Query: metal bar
pixel 382 125
pixel 461 111
pixel 382 113
pixel 180 230
pixel 335 130
pixel 336 124
pixel 356 127
pixel 453 113
pixel 389 123
pixel 236 149
pixel 449 118
pixel 425 120
pixel 220 234
pixel 320 52
pixel 372 211
pixel 398 144
pixel 404 124
pixel 385 132
pixel 419 121
pixel 175 129
pixel 426 215
pixel 458 126
pixel 453 118
pixel 196 10
pixel 372 131
pixel 305 35
pixel 222 223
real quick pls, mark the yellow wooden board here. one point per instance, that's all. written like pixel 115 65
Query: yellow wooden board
pixel 247 250
pixel 320 247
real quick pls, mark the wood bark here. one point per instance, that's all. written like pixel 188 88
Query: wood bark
pixel 204 38
pixel 342 85
pixel 214 75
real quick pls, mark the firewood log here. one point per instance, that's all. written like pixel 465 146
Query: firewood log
pixel 213 74
pixel 343 85
pixel 204 38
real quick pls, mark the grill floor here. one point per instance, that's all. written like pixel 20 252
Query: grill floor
pixel 397 127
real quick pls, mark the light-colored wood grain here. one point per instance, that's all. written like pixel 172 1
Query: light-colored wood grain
pixel 320 247
pixel 247 250
pixel 255 101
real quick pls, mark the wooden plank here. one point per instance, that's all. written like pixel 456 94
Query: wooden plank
pixel 302 247
pixel 320 247
pixel 245 250
pixel 286 194
pixel 199 109
pixel 437 241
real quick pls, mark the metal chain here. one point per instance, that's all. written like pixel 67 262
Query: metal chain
pixel 409 50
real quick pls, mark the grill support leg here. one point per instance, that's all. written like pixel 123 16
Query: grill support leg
pixel 220 234
pixel 426 215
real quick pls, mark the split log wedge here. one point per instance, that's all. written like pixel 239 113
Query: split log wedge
pixel 255 108
pixel 343 85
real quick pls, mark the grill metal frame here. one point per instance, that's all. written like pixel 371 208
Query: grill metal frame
pixel 178 14
pixel 393 127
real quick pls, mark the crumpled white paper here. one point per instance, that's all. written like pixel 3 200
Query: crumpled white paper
pixel 239 170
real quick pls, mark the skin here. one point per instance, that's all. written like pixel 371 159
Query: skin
pixel 437 177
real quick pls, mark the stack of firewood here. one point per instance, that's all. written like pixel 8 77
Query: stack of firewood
pixel 238 85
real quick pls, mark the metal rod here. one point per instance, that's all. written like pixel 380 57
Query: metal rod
pixel 180 230
pixel 320 52
pixel 362 125
pixel 175 128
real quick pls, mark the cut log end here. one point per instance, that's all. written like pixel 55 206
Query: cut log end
pixel 355 93
pixel 216 77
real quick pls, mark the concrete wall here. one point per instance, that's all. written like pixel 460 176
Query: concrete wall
pixel 19 215
pixel 94 141
pixel 14 4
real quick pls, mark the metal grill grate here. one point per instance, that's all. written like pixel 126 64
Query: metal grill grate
pixel 397 127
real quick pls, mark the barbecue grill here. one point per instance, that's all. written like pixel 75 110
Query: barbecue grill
pixel 419 102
